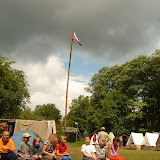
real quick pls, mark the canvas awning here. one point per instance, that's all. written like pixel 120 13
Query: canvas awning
pixel 43 128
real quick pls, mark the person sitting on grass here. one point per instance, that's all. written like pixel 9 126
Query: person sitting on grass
pixel 48 149
pixel 35 150
pixel 88 151
pixel 61 149
pixel 113 150
pixel 23 148
pixel 7 147
pixel 101 151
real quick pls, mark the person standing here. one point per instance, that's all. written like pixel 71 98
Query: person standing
pixel 7 147
pixel 102 135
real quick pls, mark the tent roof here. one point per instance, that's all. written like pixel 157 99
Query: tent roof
pixel 123 133
pixel 158 140
pixel 135 138
pixel 150 139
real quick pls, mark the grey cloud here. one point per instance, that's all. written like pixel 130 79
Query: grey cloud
pixel 108 30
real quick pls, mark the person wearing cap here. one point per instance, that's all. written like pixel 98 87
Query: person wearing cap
pixel 23 149
pixel 7 147
pixel 102 135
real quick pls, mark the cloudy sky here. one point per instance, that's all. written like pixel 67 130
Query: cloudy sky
pixel 37 35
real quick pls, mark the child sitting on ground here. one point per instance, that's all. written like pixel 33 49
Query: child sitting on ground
pixel 35 150
pixel 23 149
pixel 61 149
pixel 88 151
pixel 101 151
pixel 113 150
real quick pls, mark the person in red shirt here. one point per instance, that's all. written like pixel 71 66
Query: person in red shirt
pixel 61 149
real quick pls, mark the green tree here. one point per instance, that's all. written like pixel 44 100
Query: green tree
pixel 151 92
pixel 26 114
pixel 47 111
pixel 126 97
pixel 13 90
pixel 79 109
pixel 123 98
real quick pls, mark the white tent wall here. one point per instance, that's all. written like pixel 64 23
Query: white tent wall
pixel 135 138
pixel 150 139
pixel 51 126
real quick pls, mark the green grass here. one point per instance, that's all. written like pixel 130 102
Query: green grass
pixel 75 152
pixel 139 154
pixel 77 144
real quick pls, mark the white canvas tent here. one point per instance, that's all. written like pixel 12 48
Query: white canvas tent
pixel 111 136
pixel 150 139
pixel 135 138
pixel 42 127
pixel 94 142
pixel 158 142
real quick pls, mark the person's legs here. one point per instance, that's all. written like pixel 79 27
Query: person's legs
pixel 116 158
pixel 64 157
pixel 3 155
pixel 69 157
pixel 86 158
pixel 47 157
pixel 11 156
pixel 112 158
pixel 58 158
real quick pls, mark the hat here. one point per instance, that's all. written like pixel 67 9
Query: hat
pixel 102 128
pixel 26 135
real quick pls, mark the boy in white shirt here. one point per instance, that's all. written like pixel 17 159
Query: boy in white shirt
pixel 88 151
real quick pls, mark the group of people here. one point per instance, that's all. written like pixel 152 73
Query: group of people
pixel 49 151
pixel 101 151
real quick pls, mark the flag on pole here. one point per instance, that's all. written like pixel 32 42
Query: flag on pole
pixel 75 37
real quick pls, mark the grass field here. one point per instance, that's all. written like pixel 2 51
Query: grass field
pixel 75 152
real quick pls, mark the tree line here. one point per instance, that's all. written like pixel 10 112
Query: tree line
pixel 14 96
pixel 124 98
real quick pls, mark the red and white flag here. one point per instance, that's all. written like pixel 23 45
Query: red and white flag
pixel 75 37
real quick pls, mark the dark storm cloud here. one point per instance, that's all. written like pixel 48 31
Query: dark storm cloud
pixel 108 30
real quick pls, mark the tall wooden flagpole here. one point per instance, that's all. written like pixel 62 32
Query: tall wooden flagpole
pixel 67 88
